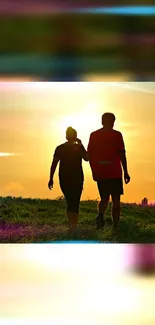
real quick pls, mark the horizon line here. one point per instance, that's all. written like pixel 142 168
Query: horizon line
pixel 63 199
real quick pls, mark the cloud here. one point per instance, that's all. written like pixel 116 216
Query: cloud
pixel 9 154
pixel 137 86
pixel 13 186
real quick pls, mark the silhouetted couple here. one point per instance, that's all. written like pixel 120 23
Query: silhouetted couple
pixel 105 153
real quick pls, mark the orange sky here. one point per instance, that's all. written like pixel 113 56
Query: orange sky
pixel 34 117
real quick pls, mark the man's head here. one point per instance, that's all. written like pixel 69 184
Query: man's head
pixel 108 120
pixel 71 134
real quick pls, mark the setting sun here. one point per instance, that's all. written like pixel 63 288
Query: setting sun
pixel 84 122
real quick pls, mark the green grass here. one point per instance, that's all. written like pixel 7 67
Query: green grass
pixel 43 221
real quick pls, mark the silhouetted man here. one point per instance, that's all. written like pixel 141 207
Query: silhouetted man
pixel 106 151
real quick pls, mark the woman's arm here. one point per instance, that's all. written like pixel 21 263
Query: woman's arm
pixel 84 152
pixel 52 171
pixel 90 148
pixel 53 167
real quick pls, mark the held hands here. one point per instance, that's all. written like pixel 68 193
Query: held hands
pixel 126 178
pixel 50 184
pixel 78 141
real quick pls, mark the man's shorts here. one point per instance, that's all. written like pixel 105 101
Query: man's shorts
pixel 110 186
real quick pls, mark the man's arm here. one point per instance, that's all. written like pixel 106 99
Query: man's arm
pixel 122 153
pixel 124 161
pixel 124 165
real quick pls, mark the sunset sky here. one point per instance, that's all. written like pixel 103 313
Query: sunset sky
pixel 34 118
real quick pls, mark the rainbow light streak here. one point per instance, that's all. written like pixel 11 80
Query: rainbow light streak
pixel 126 10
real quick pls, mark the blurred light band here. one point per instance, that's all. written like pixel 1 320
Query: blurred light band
pixel 126 10
pixel 50 9
pixel 76 242
pixel 143 258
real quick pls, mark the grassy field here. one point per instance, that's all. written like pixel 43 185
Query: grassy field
pixel 44 221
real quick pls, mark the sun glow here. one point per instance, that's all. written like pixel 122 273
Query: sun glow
pixel 85 121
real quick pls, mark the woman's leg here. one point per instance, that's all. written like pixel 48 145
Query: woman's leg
pixel 72 193
pixel 73 202
pixel 72 219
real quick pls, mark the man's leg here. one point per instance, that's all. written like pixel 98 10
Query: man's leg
pixel 102 207
pixel 116 209
pixel 103 204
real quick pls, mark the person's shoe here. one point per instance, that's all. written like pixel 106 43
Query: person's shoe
pixel 115 225
pixel 109 221
pixel 72 233
pixel 114 228
pixel 99 222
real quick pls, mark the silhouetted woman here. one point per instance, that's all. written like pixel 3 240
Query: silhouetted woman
pixel 71 178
